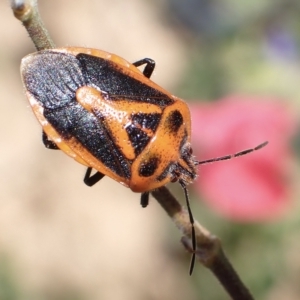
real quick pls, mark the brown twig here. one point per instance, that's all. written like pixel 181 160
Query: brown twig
pixel 209 251
pixel 27 12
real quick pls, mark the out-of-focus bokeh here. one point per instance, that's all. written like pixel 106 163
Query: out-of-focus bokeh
pixel 239 65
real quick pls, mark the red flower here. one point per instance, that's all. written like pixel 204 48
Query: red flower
pixel 253 187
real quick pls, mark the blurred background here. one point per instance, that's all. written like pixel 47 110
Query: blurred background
pixel 238 65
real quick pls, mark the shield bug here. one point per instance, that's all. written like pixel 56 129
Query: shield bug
pixel 109 116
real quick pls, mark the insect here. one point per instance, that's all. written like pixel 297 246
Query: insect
pixel 109 116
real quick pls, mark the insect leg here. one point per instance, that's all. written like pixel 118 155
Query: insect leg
pixel 149 68
pixel 89 179
pixel 145 199
pixel 48 143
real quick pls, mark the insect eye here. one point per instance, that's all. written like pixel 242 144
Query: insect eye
pixel 176 175
pixel 174 179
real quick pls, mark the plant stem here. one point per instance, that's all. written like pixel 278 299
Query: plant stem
pixel 209 249
pixel 27 12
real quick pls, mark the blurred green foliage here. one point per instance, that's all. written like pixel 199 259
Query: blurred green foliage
pixel 9 289
pixel 240 48
pixel 251 48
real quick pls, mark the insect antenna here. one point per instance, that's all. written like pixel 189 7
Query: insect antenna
pixel 230 156
pixel 192 225
pixel 225 157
